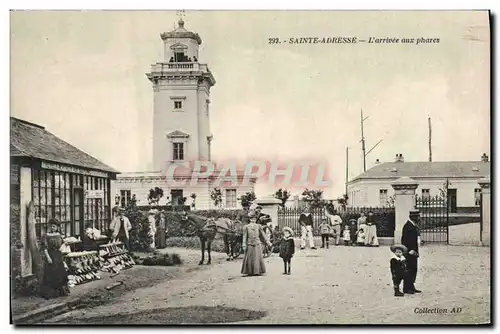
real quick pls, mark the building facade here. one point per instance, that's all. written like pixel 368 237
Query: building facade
pixel 181 129
pixel 459 178
pixel 61 181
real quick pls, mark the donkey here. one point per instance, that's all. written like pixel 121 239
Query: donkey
pixel 207 229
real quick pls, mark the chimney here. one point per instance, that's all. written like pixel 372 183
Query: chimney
pixel 399 158
pixel 484 158
pixel 377 162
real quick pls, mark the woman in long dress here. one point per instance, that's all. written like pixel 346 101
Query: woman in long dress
pixel 371 238
pixel 55 277
pixel 254 239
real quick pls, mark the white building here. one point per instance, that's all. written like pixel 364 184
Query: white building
pixel 181 128
pixel 373 187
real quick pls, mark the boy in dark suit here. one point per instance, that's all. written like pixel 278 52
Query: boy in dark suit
pixel 409 239
pixel 398 268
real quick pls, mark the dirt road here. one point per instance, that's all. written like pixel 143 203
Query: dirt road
pixel 341 285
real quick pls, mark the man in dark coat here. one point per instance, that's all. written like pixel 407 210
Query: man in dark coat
pixel 409 238
pixel 262 218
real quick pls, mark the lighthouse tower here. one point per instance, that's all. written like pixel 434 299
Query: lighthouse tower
pixel 181 131
pixel 181 112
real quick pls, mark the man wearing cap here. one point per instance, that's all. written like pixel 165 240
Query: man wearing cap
pixel 336 222
pixel 120 227
pixel 243 216
pixel 262 218
pixel 306 225
pixel 409 239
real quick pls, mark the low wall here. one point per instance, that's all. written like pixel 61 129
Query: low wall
pixel 465 234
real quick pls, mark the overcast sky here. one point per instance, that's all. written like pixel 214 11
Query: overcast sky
pixel 82 75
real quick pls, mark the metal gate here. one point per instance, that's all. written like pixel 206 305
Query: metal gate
pixel 434 214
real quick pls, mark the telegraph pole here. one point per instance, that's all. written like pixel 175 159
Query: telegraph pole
pixel 346 168
pixel 363 141
pixel 430 140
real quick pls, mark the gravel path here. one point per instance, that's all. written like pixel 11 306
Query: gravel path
pixel 341 285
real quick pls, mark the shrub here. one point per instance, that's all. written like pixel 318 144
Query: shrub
pixel 162 260
pixel 140 239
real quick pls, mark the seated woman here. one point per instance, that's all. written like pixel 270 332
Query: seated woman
pixel 55 277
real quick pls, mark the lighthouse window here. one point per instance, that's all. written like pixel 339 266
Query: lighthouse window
pixel 179 56
pixel 177 105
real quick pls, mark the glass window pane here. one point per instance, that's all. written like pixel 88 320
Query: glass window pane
pixel 77 212
pixel 42 179
pixel 49 196
pixel 77 228
pixel 48 180
pixel 56 180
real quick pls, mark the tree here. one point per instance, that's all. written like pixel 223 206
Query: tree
pixel 247 199
pixel 443 191
pixel 343 201
pixel 282 195
pixel 216 196
pixel 140 238
pixel 391 202
pixel 193 203
pixel 155 195
pixel 314 198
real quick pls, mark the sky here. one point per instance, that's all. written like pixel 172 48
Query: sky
pixel 82 76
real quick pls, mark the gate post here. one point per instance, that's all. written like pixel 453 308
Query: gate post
pixel 404 201
pixel 485 211
pixel 270 206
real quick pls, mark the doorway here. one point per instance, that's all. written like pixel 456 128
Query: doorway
pixel 177 197
pixel 452 200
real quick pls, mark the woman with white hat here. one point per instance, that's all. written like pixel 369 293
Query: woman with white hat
pixel 253 239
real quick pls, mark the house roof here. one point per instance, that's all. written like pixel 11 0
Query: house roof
pixel 438 169
pixel 32 140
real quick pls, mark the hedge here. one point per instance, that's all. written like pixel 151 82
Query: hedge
pixel 174 222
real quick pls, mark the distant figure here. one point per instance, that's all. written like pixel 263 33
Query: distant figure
pixel 398 267
pixel 361 235
pixel 243 216
pixel 195 59
pixel 287 249
pixel 325 230
pixel 353 230
pixel 55 277
pixel 120 228
pixel 409 239
pixel 161 231
pixel 361 220
pixel 171 60
pixel 346 235
pixel 336 222
pixel 371 231
pixel 306 223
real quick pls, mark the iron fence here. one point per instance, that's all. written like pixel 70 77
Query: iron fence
pixel 384 218
pixel 434 219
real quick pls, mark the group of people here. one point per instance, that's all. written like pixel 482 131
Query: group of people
pixel 55 277
pixel 362 231
pixel 403 263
